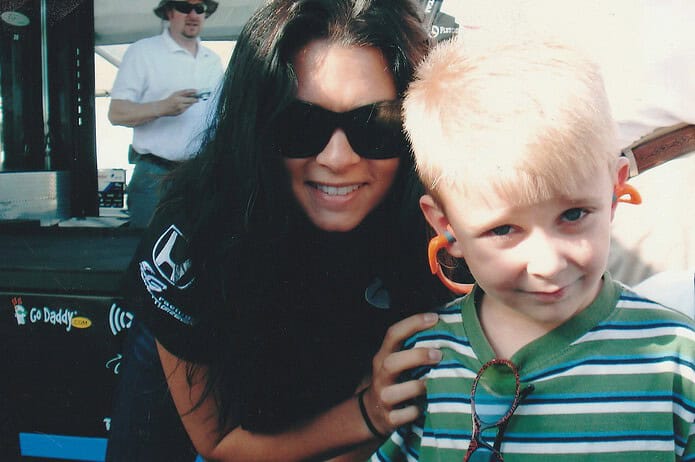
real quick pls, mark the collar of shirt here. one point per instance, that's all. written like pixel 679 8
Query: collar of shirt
pixel 176 48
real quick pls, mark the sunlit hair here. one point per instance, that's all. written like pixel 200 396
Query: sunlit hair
pixel 528 118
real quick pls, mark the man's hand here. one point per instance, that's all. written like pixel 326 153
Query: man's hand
pixel 130 114
pixel 177 103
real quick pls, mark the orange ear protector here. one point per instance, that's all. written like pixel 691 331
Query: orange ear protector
pixel 622 190
pixel 436 244
pixel 622 193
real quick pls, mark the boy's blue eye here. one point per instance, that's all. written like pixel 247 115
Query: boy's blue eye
pixel 502 230
pixel 573 214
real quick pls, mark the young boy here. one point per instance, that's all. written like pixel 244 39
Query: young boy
pixel 516 146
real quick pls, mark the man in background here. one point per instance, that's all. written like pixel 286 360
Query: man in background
pixel 162 91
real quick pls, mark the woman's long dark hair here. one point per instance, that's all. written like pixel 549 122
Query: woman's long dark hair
pixel 235 193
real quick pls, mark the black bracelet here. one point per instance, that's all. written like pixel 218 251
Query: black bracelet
pixel 365 416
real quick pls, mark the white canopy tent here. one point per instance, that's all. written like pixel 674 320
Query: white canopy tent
pixel 125 21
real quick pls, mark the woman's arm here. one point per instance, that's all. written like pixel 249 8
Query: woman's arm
pixel 337 430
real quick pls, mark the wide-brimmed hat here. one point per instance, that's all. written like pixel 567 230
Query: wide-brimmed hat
pixel 160 11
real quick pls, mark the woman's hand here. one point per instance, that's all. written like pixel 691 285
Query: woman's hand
pixel 387 402
pixel 332 432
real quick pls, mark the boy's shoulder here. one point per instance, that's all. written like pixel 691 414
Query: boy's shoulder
pixel 451 311
pixel 449 326
pixel 640 321
pixel 673 288
pixel 633 303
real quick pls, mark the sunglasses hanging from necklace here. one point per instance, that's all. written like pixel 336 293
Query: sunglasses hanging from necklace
pixel 495 395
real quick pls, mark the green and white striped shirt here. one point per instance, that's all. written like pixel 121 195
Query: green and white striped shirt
pixel 614 383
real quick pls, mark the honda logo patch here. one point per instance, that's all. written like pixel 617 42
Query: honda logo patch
pixel 170 257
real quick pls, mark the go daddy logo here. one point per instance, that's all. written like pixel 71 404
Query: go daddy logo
pixel 61 317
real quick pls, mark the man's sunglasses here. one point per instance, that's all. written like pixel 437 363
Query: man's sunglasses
pixel 375 131
pixel 185 7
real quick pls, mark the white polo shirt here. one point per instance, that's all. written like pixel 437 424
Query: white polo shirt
pixel 152 69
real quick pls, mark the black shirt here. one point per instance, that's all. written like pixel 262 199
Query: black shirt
pixel 294 331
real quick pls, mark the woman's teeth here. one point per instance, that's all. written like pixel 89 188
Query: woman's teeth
pixel 337 190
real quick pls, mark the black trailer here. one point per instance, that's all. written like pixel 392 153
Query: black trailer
pixel 61 324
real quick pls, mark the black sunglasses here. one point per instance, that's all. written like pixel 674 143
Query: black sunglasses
pixel 495 395
pixel 375 131
pixel 185 7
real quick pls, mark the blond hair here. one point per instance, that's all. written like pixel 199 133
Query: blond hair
pixel 529 118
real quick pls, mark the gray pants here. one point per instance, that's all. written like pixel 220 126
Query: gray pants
pixel 144 191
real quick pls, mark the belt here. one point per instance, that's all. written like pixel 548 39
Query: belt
pixel 134 156
pixel 158 161
pixel 660 146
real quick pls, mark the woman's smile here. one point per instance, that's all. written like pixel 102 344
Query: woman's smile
pixel 335 190
pixel 338 188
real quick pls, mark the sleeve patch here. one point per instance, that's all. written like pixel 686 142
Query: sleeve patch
pixel 170 258
pixel 156 288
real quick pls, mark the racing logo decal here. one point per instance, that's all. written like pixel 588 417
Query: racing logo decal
pixel 156 288
pixel 169 255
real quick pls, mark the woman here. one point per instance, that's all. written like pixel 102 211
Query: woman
pixel 281 254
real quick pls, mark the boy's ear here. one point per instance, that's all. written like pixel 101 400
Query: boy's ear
pixel 622 174
pixel 433 214
pixel 436 217
pixel 622 170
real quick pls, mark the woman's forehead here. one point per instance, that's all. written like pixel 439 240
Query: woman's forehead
pixel 340 77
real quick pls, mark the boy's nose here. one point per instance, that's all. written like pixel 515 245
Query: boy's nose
pixel 338 154
pixel 544 256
